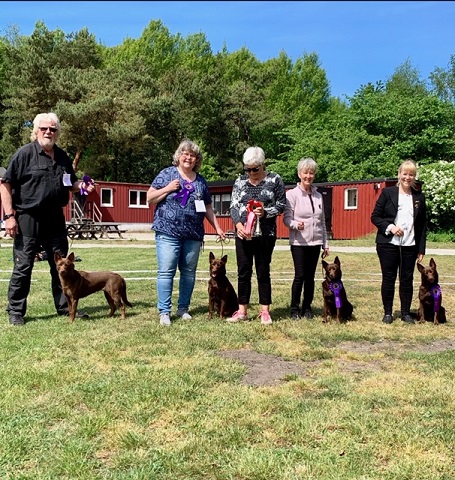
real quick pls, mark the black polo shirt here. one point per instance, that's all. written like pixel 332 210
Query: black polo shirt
pixel 37 180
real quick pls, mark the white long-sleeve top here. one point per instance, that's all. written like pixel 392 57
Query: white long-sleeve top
pixel 309 209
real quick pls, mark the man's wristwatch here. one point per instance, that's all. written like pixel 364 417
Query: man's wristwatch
pixel 8 215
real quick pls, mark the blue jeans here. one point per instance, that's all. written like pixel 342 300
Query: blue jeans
pixel 170 253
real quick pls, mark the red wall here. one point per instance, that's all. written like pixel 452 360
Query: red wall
pixel 346 223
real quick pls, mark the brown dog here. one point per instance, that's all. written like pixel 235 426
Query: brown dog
pixel 430 296
pixel 336 304
pixel 79 284
pixel 222 296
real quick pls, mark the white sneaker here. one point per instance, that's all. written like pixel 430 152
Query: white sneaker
pixel 237 317
pixel 183 314
pixel 165 319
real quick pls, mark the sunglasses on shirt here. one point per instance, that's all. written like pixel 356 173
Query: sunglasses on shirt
pixel 45 129
pixel 254 169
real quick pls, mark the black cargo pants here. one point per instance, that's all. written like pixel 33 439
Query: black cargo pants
pixel 36 233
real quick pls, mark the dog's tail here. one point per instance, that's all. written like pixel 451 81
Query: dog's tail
pixel 124 299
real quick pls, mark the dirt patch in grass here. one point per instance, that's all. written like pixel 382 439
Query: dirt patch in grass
pixel 268 370
pixel 437 346
pixel 263 369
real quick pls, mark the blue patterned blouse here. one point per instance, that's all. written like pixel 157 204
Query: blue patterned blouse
pixel 176 216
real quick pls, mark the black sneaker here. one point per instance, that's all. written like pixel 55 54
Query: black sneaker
pixel 387 319
pixel 16 319
pixel 407 318
pixel 308 314
pixel 295 316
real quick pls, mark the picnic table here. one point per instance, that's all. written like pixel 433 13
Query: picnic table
pixel 88 230
pixel 81 231
pixel 106 228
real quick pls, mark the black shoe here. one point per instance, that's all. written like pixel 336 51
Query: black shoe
pixel 16 319
pixel 387 319
pixel 295 316
pixel 308 314
pixel 407 318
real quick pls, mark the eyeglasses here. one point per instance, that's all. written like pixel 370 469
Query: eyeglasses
pixel 191 155
pixel 45 129
pixel 254 169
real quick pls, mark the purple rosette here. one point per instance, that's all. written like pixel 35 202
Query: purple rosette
pixel 87 181
pixel 336 288
pixel 184 194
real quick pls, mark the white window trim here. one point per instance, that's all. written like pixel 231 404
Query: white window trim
pixel 111 204
pixel 138 196
pixel 346 198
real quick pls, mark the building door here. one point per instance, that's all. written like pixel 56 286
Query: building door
pixel 326 193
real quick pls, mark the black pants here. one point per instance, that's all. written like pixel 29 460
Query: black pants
pixel 33 237
pixel 260 250
pixel 393 260
pixel 305 260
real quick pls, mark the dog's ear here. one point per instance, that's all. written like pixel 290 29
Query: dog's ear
pixel 57 256
pixel 224 259
pixel 337 261
pixel 420 267
pixel 71 257
pixel 211 256
pixel 432 263
pixel 324 264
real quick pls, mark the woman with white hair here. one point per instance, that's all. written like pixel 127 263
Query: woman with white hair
pixel 304 216
pixel 258 197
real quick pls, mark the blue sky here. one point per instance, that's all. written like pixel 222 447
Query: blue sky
pixel 357 42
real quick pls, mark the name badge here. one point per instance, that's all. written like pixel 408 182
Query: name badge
pixel 200 206
pixel 67 180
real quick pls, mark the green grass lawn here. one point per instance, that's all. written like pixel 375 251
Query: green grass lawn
pixel 109 399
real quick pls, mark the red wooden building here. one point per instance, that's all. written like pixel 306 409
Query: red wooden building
pixel 348 206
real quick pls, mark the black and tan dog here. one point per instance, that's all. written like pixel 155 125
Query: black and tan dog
pixel 430 296
pixel 222 296
pixel 78 284
pixel 336 304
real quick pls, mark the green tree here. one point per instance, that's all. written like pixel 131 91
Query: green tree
pixel 443 81
pixel 438 185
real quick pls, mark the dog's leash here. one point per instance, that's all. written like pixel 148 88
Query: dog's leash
pixel 225 240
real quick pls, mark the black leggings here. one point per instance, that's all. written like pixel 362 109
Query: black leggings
pixel 394 259
pixel 305 260
pixel 260 250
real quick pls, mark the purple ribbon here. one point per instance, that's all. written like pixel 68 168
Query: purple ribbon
pixel 436 291
pixel 336 288
pixel 184 194
pixel 87 181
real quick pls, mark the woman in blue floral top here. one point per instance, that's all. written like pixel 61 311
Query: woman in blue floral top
pixel 182 201
pixel 258 197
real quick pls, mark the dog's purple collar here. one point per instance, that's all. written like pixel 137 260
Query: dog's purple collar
pixel 436 292
pixel 336 288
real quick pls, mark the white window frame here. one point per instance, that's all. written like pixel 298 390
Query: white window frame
pixel 139 194
pixel 349 204
pixel 221 201
pixel 111 194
